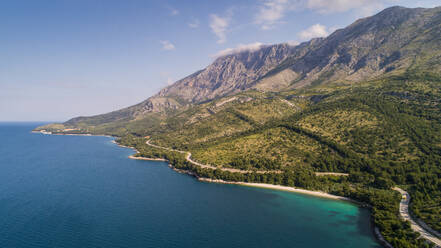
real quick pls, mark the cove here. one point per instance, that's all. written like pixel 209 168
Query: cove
pixel 83 191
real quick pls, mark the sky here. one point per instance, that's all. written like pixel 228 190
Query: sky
pixel 66 58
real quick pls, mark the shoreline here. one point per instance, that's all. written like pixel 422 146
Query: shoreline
pixel 103 135
pixel 73 134
pixel 382 241
pixel 148 159
pixel 257 185
pixel 137 152
pixel 284 188
pixel 375 231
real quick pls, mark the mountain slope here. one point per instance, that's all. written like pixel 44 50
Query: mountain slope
pixel 392 41
pixel 228 74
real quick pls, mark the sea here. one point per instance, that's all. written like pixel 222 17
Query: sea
pixel 83 191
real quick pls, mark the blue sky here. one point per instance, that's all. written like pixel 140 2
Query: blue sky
pixel 62 59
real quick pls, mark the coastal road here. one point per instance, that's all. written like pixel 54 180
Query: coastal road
pixel 189 159
pixel 404 212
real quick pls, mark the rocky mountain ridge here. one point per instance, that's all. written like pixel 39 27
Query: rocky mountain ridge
pixel 391 42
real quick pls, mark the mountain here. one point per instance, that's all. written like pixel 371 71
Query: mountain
pixel 390 42
pixel 228 74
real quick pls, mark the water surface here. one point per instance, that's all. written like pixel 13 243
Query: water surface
pixel 79 191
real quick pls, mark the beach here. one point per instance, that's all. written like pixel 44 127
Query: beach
pixel 149 159
pixel 282 188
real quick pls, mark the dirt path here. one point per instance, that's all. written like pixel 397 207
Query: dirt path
pixel 404 212
pixel 189 159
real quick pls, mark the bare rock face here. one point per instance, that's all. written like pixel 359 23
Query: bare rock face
pixel 278 81
pixel 391 41
pixel 156 104
pixel 228 74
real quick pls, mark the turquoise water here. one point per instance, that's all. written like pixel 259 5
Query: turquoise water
pixel 76 191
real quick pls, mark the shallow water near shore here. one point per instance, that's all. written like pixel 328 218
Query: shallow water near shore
pixel 83 191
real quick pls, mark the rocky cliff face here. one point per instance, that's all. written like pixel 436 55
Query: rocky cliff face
pixel 394 40
pixel 228 74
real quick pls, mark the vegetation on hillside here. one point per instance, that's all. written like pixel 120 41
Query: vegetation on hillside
pixel 383 133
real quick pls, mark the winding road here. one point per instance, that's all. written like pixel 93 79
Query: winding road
pixel 189 159
pixel 404 212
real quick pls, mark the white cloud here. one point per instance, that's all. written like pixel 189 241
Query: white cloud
pixel 293 43
pixel 219 26
pixel 173 11
pixel 166 77
pixel 363 7
pixel 170 81
pixel 167 45
pixel 333 29
pixel 271 13
pixel 240 48
pixel 316 30
pixel 194 23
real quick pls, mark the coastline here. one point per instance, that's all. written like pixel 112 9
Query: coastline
pixel 136 152
pixel 144 158
pixel 103 135
pixel 72 134
pixel 283 188
pixel 257 185
pixel 375 230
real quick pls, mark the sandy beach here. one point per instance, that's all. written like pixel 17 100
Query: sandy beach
pixel 144 158
pixel 282 188
pixel 136 152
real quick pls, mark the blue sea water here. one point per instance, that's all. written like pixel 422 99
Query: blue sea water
pixel 77 191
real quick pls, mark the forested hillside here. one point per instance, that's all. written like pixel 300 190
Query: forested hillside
pixel 383 133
